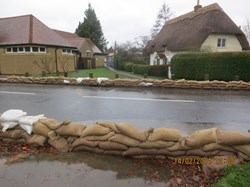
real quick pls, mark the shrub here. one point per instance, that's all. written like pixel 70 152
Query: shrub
pixel 219 66
pixel 140 69
pixel 158 71
pixel 128 66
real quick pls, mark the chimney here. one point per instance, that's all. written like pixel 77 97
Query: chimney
pixel 197 6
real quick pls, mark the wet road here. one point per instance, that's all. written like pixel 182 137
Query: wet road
pixel 187 110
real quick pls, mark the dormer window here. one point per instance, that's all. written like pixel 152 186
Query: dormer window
pixel 221 42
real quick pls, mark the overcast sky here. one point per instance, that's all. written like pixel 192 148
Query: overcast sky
pixel 121 20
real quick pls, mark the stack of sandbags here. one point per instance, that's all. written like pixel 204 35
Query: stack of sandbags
pixel 167 83
pixel 15 134
pixel 180 83
pixel 192 84
pixel 89 82
pixel 205 84
pixel 107 83
pixel 126 82
pixel 218 84
pixel 244 85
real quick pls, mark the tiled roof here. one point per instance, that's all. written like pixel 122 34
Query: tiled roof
pixel 29 30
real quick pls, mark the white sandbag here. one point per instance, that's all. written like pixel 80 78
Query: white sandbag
pixel 10 118
pixel 100 79
pixel 27 122
pixel 66 81
pixel 80 79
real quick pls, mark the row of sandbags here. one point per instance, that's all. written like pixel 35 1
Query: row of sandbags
pixel 125 140
pixel 166 83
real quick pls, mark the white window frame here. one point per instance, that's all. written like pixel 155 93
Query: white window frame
pixel 221 42
pixel 22 49
pixel 67 51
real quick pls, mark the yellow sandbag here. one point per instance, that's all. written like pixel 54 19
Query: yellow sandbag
pixel 52 124
pixel 232 137
pixel 37 140
pixel 202 137
pixel 110 125
pixel 215 146
pixel 108 145
pixel 119 138
pixel 41 129
pixel 15 134
pixel 130 131
pixel 178 146
pixel 243 148
pixel 71 129
pixel 89 149
pixel 82 141
pixel 135 151
pixel 60 144
pixel 164 134
pixel 95 130
pixel 156 144
pixel 100 138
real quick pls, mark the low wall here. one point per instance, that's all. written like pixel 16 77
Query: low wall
pixel 166 83
pixel 123 139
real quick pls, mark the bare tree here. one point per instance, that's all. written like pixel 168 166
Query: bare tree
pixel 141 43
pixel 47 64
pixel 164 14
pixel 246 29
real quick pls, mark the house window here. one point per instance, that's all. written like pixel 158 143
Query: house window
pixel 67 51
pixel 14 49
pixel 9 50
pixel 20 49
pixel 88 53
pixel 35 49
pixel 221 42
pixel 26 49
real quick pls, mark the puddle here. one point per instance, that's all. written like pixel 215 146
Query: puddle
pixel 76 169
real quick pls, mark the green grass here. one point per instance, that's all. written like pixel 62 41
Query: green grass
pixel 235 176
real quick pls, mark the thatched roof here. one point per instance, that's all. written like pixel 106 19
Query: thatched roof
pixel 189 31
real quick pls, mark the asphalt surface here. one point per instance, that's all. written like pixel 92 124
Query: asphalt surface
pixel 187 110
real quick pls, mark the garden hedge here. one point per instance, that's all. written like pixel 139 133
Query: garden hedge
pixel 219 66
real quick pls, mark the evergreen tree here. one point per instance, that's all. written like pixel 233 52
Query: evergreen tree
pixel 92 29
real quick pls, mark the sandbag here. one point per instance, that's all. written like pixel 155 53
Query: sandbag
pixel 52 124
pixel 110 125
pixel 171 153
pixel 95 130
pixel 71 129
pixel 130 131
pixel 243 148
pixel 158 157
pixel 108 145
pixel 15 134
pixel 156 144
pixel 37 140
pixel 119 138
pixel 200 152
pixel 89 149
pixel 243 156
pixel 113 152
pixel 178 146
pixel 135 151
pixel 202 137
pixel 164 134
pixel 232 137
pixel 215 146
pixel 82 141
pixel 29 120
pixel 100 138
pixel 41 129
pixel 12 115
pixel 59 144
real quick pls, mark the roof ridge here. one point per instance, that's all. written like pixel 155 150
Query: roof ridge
pixel 16 16
pixel 190 15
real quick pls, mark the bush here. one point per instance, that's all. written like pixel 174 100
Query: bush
pixel 140 69
pixel 128 66
pixel 219 66
pixel 158 71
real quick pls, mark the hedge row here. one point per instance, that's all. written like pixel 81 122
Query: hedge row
pixel 219 66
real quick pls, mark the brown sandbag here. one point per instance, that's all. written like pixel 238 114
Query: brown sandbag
pixel 135 151
pixel 110 125
pixel 82 141
pixel 37 140
pixel 108 145
pixel 232 137
pixel 95 130
pixel 113 152
pixel 156 144
pixel 89 149
pixel 130 131
pixel 71 129
pixel 15 134
pixel 52 124
pixel 100 138
pixel 243 148
pixel 178 146
pixel 158 157
pixel 164 134
pixel 202 137
pixel 200 152
pixel 171 153
pixel 243 156
pixel 215 146
pixel 119 138
pixel 41 129
pixel 59 144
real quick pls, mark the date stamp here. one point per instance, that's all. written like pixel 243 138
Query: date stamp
pixel 217 160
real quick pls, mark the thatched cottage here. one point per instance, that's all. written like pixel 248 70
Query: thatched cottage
pixel 206 28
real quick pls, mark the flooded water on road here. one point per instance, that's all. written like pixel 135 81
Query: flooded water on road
pixel 76 169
